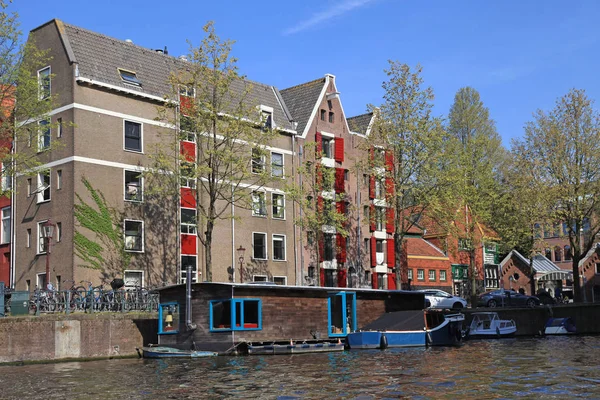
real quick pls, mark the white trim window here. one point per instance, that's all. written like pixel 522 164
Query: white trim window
pixel 280 280
pixel 432 274
pixel 279 248
pixel 133 136
pixel 133 278
pixel 43 186
pixel 188 221
pixel 59 127
pixel 134 186
pixel 259 246
pixel 410 274
pixel 59 179
pixel 41 241
pixel 443 276
pixel 134 235
pixel 277 169
pixel 260 278
pixel 28 238
pixel 258 161
pixel 58 232
pixel 187 172
pixel 6 178
pixel 192 261
pixel 44 135
pixel 259 204
pixel 327 146
pixel 44 83
pixel 278 203
pixel 5 234
pixel 421 274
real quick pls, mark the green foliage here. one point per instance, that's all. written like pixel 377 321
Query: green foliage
pixel 226 125
pixel 105 224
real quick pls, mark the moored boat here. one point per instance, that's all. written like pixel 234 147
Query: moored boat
pixel 171 352
pixel 489 325
pixel 416 328
pixel 292 347
pixel 560 326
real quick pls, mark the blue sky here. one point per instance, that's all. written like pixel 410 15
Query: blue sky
pixel 520 55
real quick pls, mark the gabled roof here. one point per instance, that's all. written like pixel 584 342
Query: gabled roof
pixel 540 263
pixel 361 124
pixel 301 100
pixel 99 57
pixel 421 247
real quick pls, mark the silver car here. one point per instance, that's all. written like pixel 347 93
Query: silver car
pixel 435 298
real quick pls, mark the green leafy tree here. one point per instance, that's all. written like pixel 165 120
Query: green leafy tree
pixel 406 154
pixel 104 249
pixel 562 146
pixel 25 101
pixel 476 154
pixel 214 108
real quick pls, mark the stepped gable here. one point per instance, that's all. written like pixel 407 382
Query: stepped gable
pixel 99 57
pixel 360 123
pixel 301 100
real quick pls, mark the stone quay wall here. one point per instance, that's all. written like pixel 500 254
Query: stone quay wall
pixel 74 336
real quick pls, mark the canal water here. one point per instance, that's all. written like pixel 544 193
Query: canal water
pixel 550 368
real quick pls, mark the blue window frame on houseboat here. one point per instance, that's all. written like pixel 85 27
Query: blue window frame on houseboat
pixel 168 318
pixel 235 315
pixel 341 313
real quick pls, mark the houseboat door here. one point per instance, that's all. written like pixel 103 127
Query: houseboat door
pixel 341 318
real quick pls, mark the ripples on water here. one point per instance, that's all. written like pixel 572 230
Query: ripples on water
pixel 555 367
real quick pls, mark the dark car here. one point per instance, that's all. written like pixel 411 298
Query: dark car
pixel 506 298
pixel 545 297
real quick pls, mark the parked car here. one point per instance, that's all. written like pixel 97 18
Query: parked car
pixel 439 299
pixel 545 297
pixel 506 298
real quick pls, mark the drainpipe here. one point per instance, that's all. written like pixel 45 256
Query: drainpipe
pixel 296 271
pixel 188 300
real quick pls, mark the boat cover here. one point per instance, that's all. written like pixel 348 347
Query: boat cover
pixel 412 320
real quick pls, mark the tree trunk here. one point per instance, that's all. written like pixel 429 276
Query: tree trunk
pixel 208 251
pixel 577 292
pixel 398 260
pixel 473 275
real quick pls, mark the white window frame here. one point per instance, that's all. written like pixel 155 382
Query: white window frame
pixel 256 196
pixel 268 112
pixel 28 238
pixel 280 238
pixel 410 274
pixel 183 272
pixel 5 233
pixel 58 179
pixel 41 135
pixel 39 280
pixel 330 146
pixel 443 276
pixel 136 83
pixel 380 221
pixel 273 205
pixel 29 187
pixel 284 278
pixel 186 181
pixel 40 249
pixel 260 165
pixel 58 232
pixel 260 278
pixel 432 275
pixel 125 235
pixel 41 94
pixel 125 280
pixel 40 192
pixel 141 150
pixel 282 165
pixel 266 237
pixel 59 128
pixel 191 229
pixel 420 274
pixel 6 178
pixel 126 186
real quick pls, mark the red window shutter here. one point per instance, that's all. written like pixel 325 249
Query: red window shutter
pixel 389 186
pixel 374 280
pixel 342 278
pixel 319 147
pixel 339 150
pixel 322 277
pixel 372 218
pixel 320 204
pixel 389 160
pixel 185 105
pixel 319 177
pixel 391 253
pixel 371 187
pixel 373 251
pixel 340 207
pixel 188 151
pixel 321 249
pixel 389 226
pixel 391 281
pixel 341 248
pixel 339 180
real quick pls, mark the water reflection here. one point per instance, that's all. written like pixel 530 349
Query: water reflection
pixel 557 367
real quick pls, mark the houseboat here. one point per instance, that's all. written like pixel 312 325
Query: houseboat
pixel 237 318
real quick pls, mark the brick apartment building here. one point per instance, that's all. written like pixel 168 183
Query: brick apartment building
pixel 107 93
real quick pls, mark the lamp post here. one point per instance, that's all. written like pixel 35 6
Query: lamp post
pixel 47 235
pixel 240 252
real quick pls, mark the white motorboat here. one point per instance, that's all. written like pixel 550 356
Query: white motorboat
pixel 489 325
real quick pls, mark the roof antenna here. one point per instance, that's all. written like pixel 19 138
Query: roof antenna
pixel 166 52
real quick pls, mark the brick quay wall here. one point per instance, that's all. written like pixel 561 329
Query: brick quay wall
pixel 74 336
pixel 532 321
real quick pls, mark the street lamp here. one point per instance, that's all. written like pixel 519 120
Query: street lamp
pixel 47 235
pixel 240 252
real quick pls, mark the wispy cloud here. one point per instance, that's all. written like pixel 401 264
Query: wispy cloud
pixel 341 8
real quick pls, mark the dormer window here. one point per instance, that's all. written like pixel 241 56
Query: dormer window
pixel 129 77
pixel 266 117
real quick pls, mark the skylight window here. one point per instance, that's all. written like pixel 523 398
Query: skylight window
pixel 129 77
